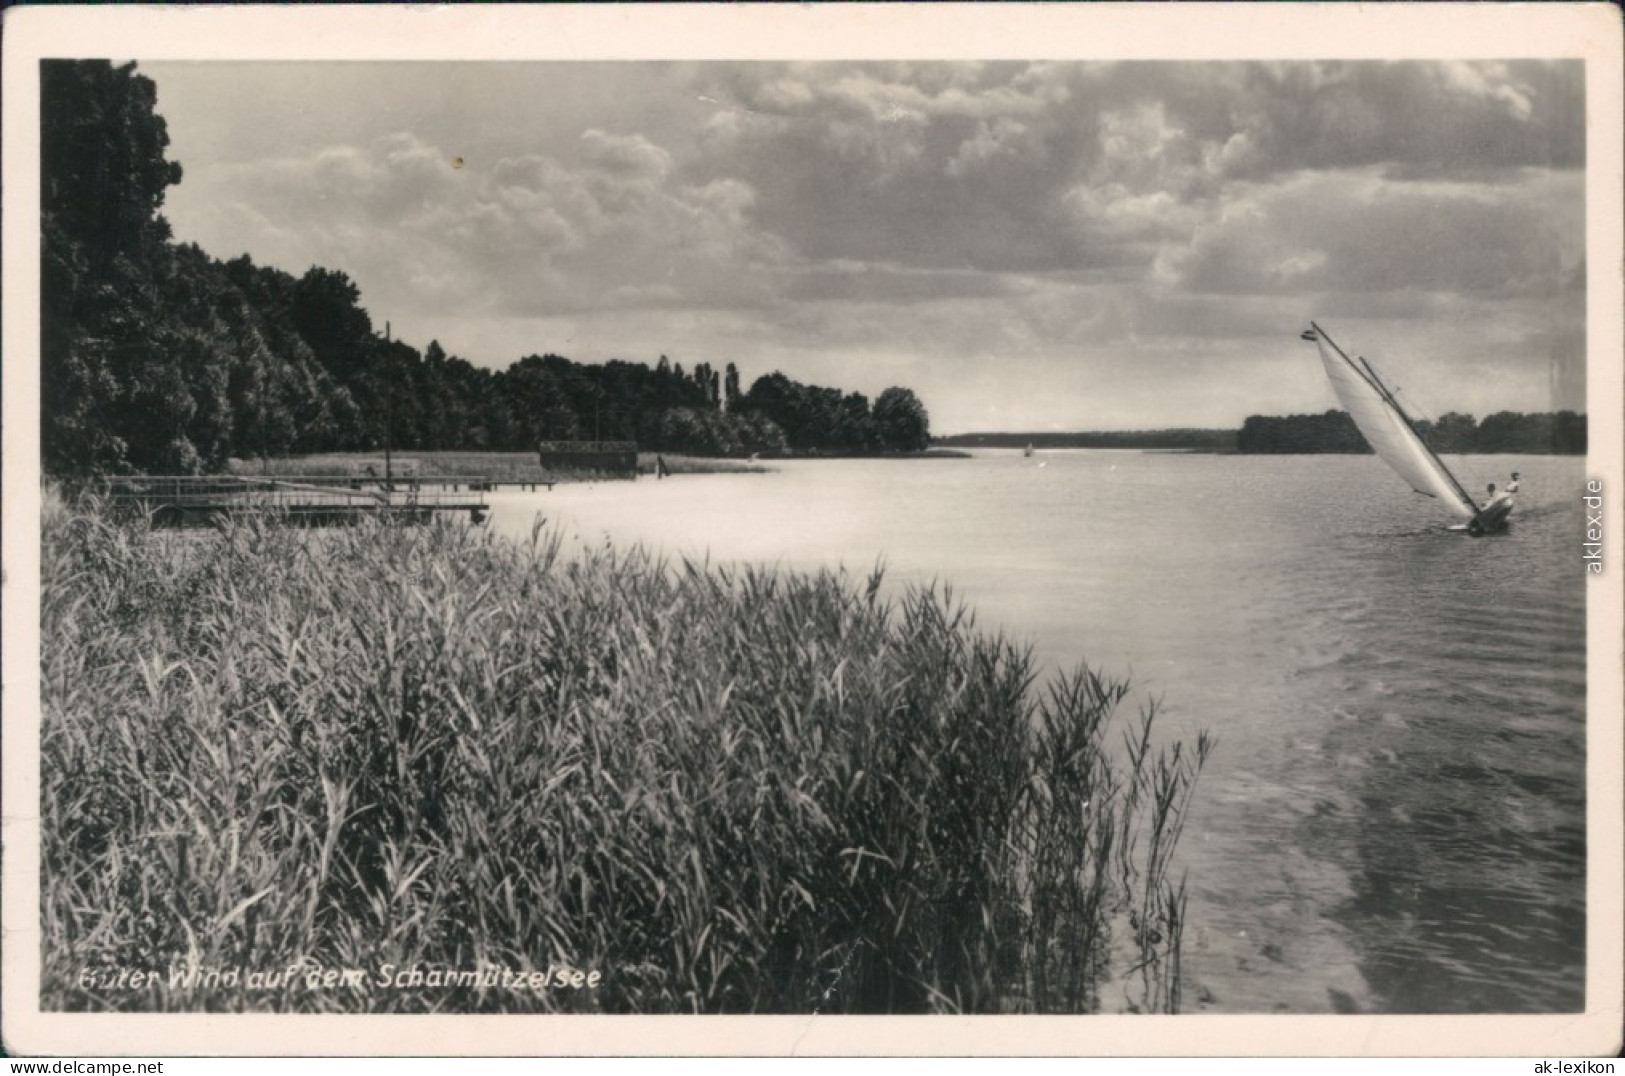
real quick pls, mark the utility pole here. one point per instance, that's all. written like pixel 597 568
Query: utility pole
pixel 389 418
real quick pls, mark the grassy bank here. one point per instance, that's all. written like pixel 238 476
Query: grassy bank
pixel 497 466
pixel 504 467
pixel 698 464
pixel 430 749
pixel 510 466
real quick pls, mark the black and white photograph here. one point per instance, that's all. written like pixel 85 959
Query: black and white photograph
pixel 570 513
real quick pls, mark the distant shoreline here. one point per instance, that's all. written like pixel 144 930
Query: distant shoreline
pixel 1185 439
pixel 1559 433
pixel 526 467
pixel 932 453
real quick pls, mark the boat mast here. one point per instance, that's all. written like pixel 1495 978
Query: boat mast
pixel 1364 369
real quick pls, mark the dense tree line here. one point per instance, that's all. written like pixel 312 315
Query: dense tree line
pixel 1562 432
pixel 1177 439
pixel 156 357
pixel 826 420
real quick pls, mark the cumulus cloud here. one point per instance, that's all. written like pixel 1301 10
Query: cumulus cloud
pixel 1111 215
pixel 1351 231
pixel 528 234
pixel 941 166
pixel 1044 167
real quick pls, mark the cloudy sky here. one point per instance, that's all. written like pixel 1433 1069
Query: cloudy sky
pixel 1028 245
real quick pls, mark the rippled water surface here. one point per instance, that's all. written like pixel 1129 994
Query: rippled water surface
pixel 1394 818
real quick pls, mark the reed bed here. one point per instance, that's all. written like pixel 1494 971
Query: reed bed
pixel 273 754
pixel 676 464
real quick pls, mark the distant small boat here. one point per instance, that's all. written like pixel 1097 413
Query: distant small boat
pixel 1392 435
pixel 1028 451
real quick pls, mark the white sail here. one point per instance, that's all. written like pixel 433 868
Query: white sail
pixel 1387 431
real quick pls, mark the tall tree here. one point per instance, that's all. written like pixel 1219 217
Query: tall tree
pixel 1453 432
pixel 326 311
pixel 114 393
pixel 158 357
pixel 730 388
pixel 901 422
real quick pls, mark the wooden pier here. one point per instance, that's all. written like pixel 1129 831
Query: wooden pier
pixel 317 500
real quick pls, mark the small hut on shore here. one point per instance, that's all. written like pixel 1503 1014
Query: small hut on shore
pixel 613 459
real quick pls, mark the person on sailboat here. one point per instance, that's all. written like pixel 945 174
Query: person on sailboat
pixel 1512 486
pixel 1505 494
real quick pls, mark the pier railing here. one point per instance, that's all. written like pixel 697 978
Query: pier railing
pixel 182 498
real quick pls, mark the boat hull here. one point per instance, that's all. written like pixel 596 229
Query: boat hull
pixel 1492 519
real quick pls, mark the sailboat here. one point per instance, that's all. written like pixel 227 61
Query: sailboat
pixel 1392 435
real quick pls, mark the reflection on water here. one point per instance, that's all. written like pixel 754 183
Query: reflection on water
pixel 1465 694
pixel 1394 818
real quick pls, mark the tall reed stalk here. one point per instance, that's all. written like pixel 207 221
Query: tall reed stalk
pixel 725 790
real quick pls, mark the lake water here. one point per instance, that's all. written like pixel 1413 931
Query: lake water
pixel 1393 820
